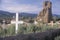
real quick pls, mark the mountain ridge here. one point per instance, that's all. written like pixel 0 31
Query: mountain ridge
pixel 22 14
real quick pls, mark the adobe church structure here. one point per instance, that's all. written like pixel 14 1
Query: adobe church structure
pixel 46 14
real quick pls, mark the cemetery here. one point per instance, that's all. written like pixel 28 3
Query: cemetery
pixel 43 27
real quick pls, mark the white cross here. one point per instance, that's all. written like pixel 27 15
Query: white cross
pixel 16 23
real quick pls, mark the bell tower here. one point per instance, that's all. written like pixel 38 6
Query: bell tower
pixel 46 14
pixel 48 11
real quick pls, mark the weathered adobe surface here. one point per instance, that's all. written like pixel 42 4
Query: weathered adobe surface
pixel 48 35
pixel 46 14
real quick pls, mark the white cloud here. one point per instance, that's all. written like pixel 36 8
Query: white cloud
pixel 22 8
pixel 13 6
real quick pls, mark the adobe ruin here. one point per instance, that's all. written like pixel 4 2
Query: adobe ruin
pixel 46 14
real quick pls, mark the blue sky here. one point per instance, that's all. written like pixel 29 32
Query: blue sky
pixel 30 6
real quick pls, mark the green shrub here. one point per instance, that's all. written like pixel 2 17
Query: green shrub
pixel 31 28
pixel 11 30
pixel 21 29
